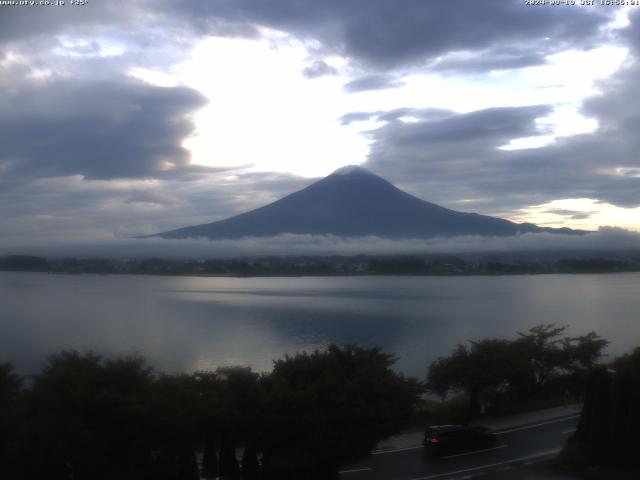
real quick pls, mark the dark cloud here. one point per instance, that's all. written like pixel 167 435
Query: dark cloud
pixel 603 165
pixel 447 157
pixel 498 59
pixel 467 34
pixel 387 34
pixel 462 36
pixel 573 214
pixel 26 22
pixel 72 209
pixel 479 129
pixel 396 114
pixel 631 35
pixel 96 41
pixel 454 159
pixel 419 113
pixel 319 68
pixel 351 117
pixel 99 129
pixel 373 82
pixel 152 197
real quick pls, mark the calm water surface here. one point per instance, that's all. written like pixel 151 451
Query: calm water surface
pixel 193 323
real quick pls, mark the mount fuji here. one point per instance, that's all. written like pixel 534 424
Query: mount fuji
pixel 353 202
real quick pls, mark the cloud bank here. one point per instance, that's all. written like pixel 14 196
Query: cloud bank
pixel 383 34
pixel 100 130
pixel 604 240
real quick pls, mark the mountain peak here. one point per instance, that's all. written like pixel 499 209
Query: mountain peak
pixel 353 202
pixel 351 170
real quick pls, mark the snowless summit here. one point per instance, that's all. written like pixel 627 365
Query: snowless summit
pixel 352 170
pixel 353 202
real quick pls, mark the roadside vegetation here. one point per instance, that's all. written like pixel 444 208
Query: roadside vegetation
pixel 540 368
pixel 607 436
pixel 86 417
pixel 544 368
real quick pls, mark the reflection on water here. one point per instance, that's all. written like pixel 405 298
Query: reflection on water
pixel 190 323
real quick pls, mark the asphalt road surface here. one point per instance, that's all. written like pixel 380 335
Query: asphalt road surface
pixel 517 448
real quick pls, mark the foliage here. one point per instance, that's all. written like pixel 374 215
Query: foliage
pixel 607 433
pixel 330 408
pixel 10 385
pixel 482 366
pixel 86 417
pixel 10 393
pixel 529 366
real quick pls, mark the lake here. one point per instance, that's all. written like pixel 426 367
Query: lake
pixel 200 323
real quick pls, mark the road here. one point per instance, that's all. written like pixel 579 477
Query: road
pixel 518 447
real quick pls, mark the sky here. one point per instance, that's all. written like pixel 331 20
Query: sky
pixel 125 118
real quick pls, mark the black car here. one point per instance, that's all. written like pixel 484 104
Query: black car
pixel 450 438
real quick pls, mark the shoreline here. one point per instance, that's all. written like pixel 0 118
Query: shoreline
pixel 327 275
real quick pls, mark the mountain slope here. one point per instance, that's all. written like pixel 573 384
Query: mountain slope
pixel 353 202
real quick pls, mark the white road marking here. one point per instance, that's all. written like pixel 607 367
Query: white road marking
pixel 354 470
pixel 528 457
pixel 557 420
pixel 476 451
pixel 567 432
pixel 382 452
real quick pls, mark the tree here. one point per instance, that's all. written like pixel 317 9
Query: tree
pixel 607 433
pixel 209 458
pixel 230 413
pixel 540 361
pixel 229 468
pixel 10 385
pixel 210 417
pixel 542 346
pixel 582 354
pixel 88 418
pixel 173 410
pixel 10 416
pixel 329 408
pixel 485 365
pixel 250 465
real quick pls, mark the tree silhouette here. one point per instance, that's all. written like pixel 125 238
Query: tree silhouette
pixel 250 465
pixel 89 418
pixel 329 408
pixel 486 364
pixel 210 458
pixel 517 369
pixel 607 433
pixel 10 434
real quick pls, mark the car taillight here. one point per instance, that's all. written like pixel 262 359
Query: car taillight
pixel 435 441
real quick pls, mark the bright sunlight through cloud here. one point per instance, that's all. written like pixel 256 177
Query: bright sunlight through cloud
pixel 265 115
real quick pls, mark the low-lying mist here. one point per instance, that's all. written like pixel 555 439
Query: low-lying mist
pixel 606 239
